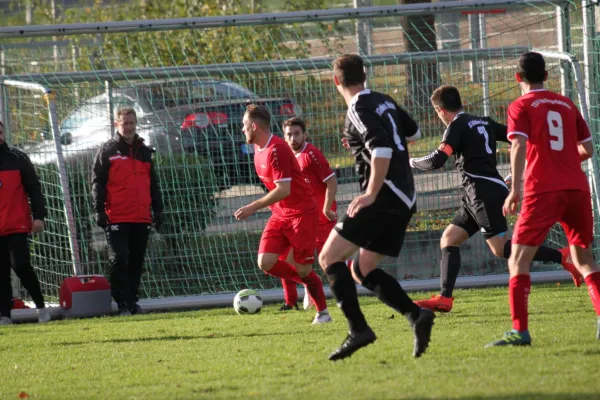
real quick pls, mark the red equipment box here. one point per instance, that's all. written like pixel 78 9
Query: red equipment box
pixel 85 296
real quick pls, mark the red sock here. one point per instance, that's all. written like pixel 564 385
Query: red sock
pixel 290 293
pixel 315 290
pixel 283 270
pixel 519 287
pixel 593 284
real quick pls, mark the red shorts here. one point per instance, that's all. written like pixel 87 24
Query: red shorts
pixel 323 231
pixel 572 208
pixel 281 235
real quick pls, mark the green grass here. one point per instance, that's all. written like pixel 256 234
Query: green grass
pixel 215 354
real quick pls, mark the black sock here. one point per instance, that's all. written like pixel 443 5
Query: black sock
pixel 544 253
pixel 344 289
pixel 449 267
pixel 389 291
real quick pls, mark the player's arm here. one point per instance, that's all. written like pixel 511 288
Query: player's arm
pixel 321 169
pixel 280 168
pixel 500 131
pixel 518 134
pixel 438 158
pixel 378 141
pixel 412 132
pixel 282 190
pixel 584 139
pixel 330 193
pixel 33 187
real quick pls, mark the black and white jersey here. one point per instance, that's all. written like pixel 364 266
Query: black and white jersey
pixel 472 141
pixel 377 127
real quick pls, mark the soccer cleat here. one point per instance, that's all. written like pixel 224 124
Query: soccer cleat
pixel 43 315
pixel 136 309
pixel 567 263
pixel 307 302
pixel 512 338
pixel 422 331
pixel 5 321
pixel 322 318
pixel 287 307
pixel 353 342
pixel 437 303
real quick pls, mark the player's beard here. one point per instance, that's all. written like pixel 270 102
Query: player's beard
pixel 297 146
pixel 250 138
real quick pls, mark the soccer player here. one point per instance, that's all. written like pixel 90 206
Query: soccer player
pixel 472 140
pixel 548 131
pixel 377 130
pixel 294 219
pixel 316 171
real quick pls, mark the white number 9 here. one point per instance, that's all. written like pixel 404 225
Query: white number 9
pixel 555 126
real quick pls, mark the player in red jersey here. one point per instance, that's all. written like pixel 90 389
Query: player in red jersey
pixel 316 170
pixel 548 131
pixel 294 219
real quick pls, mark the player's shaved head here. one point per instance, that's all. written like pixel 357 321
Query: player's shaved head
pixel 259 115
pixel 532 67
pixel 349 70
pixel 447 97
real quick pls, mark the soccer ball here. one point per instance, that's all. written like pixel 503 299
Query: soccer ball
pixel 247 301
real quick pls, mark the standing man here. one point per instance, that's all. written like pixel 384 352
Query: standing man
pixel 126 191
pixel 377 131
pixel 294 221
pixel 472 140
pixel 322 179
pixel 547 131
pixel 19 186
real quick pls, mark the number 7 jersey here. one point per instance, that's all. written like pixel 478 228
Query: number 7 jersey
pixel 553 127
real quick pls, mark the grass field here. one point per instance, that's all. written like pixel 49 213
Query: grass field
pixel 215 354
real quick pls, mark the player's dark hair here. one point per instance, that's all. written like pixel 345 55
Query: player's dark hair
pixel 296 121
pixel 259 114
pixel 349 69
pixel 447 97
pixel 532 67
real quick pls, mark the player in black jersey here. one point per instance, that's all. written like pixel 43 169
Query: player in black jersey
pixel 472 140
pixel 376 129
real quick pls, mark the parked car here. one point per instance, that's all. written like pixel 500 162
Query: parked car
pixel 202 116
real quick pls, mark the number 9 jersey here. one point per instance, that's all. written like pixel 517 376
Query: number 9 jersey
pixel 553 127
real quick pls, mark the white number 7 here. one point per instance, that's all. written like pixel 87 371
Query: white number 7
pixel 483 131
pixel 555 126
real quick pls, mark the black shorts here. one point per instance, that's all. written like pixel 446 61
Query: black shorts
pixel 482 214
pixel 377 230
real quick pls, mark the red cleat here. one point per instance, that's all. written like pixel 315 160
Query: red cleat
pixel 567 263
pixel 437 303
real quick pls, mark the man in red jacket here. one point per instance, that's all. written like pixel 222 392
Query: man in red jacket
pixel 19 185
pixel 126 191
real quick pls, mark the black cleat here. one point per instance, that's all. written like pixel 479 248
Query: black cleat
pixel 422 331
pixel 353 342
pixel 286 307
pixel 136 309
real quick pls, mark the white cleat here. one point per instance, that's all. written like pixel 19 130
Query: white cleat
pixel 5 321
pixel 43 315
pixel 322 318
pixel 307 302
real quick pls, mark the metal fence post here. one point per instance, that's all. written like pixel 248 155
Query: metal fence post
pixel 49 97
pixel 563 29
pixel 485 84
pixel 474 37
pixel 111 117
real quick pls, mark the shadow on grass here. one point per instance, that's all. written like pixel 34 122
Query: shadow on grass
pixel 175 338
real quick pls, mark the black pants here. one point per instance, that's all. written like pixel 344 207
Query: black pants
pixel 14 253
pixel 127 243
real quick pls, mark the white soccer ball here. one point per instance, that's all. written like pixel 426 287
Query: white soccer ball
pixel 247 301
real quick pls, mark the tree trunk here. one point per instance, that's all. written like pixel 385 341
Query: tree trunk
pixel 421 78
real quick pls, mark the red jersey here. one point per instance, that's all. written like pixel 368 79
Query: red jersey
pixel 276 163
pixel 553 127
pixel 316 170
